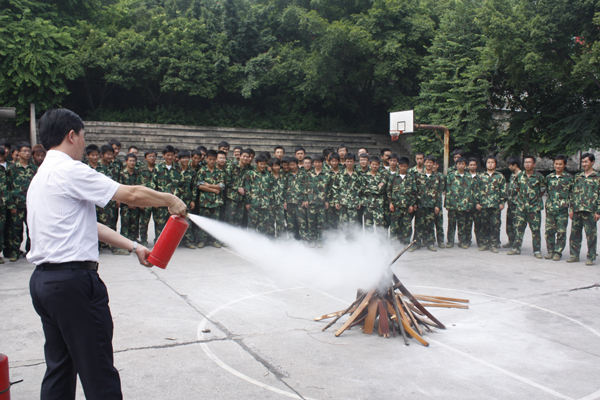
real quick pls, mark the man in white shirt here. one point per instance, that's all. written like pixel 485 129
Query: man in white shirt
pixel 66 290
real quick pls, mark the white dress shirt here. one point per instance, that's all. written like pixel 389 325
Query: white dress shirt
pixel 61 212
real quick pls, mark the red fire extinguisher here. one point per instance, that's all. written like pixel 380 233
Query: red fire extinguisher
pixel 168 241
pixel 4 380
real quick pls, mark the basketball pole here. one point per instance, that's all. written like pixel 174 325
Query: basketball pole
pixel 446 140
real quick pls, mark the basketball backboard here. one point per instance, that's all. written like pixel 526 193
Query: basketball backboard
pixel 402 122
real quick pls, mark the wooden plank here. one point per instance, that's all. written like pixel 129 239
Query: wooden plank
pixel 356 313
pixel 442 305
pixel 371 315
pixel 384 322
pixel 406 325
pixel 444 298
pixel 410 314
pixel 416 303
pixel 355 302
pixel 335 314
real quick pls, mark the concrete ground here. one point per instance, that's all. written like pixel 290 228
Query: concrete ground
pixel 532 331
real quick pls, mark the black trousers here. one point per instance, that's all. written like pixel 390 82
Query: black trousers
pixel 78 327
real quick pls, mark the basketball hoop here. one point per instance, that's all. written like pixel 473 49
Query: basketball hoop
pixel 395 135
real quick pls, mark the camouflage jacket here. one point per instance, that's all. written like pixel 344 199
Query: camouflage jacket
pixel 490 190
pixel 332 178
pixel 585 193
pixel 5 195
pixel 147 177
pixel 105 170
pixel 278 197
pixel 558 188
pixel 125 178
pixel 19 178
pixel 429 189
pixel 345 189
pixel 402 191
pixel 210 199
pixel 259 189
pixel 235 180
pixel 372 189
pixel 459 192
pixel 414 170
pixel 511 190
pixel 317 187
pixel 166 180
pixel 294 187
pixel 530 191
pixel 115 167
pixel 187 190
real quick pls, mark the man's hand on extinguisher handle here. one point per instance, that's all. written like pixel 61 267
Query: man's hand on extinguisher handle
pixel 177 207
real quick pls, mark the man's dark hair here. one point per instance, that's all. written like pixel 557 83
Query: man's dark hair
pixel 2 151
pixel 202 149
pixel 168 149
pixel 429 157
pixel 184 153
pixel 21 145
pixel 529 156
pixel 115 142
pixel 292 160
pixel 403 160
pixel 589 156
pixel 285 159
pixel 106 148
pixel 245 151
pixel 266 153
pixel 319 157
pixel 148 152
pixel 327 151
pixel 55 125
pixel 211 153
pixel 374 158
pixel 335 156
pixel 419 153
pixel 363 155
pixel 561 157
pixel 365 149
pixel 221 152
pixel 91 148
pixel 130 155
pixel 471 159
pixel 458 152
pixel 252 152
pixel 461 159
pixel 262 157
pixel 6 144
pixel 299 148
pixel 222 143
pixel 350 156
pixel 277 148
pixel 274 161
pixel 238 148
pixel 309 158
pixel 491 157
pixel 382 152
pixel 132 147
pixel 393 155
pixel 342 146
pixel 514 160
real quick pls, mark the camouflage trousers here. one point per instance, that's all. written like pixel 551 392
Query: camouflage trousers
pixel 583 220
pixel 16 235
pixel 296 221
pixel 387 215
pixel 192 235
pixel 2 226
pixel 475 224
pixel 261 221
pixel 489 218
pixel 212 213
pixel 315 222
pixel 161 216
pixel 350 216
pixel 439 226
pixel 374 216
pixel 278 217
pixel 534 219
pixel 6 230
pixel 234 212
pixel 333 217
pixel 145 214
pixel 108 215
pixel 425 225
pixel 461 221
pixel 511 212
pixel 401 225
pixel 130 222
pixel 556 231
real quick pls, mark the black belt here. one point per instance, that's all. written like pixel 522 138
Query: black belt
pixel 91 265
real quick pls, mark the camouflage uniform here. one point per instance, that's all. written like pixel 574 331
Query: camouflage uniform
pixel 429 196
pixel 19 178
pixel 277 200
pixel 439 217
pixel 490 193
pixel 5 199
pixel 345 190
pixel 557 211
pixel 109 214
pixel 316 192
pixel 529 207
pixel 459 202
pixel 259 192
pixel 415 172
pixel 585 202
pixel 115 168
pixel 294 196
pixel 209 202
pixel 372 191
pixel 187 191
pixel 475 223
pixel 402 193
pixel 234 201
pixel 146 179
pixel 333 214
pixel 511 209
pixel 130 216
pixel 167 181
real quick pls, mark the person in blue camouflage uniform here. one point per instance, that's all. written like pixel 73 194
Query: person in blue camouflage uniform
pixel 259 185
pixel 130 215
pixel 211 183
pixel 402 197
pixel 372 190
pixel 530 187
pixel 345 194
pixel 585 209
pixel 514 164
pixel 146 178
pixel 5 199
pixel 316 201
pixel 234 201
pixel 429 204
pixel 278 198
pixel 294 196
pixel 20 173
pixel 166 178
pixel 333 214
pixel 459 202
pixel 490 196
pixel 558 187
pixel 187 191
pixel 439 217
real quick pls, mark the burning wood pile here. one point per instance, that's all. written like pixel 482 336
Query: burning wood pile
pixel 395 309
